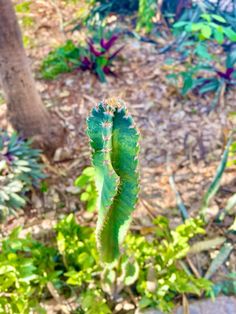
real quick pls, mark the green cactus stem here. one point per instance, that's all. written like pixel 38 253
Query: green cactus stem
pixel 114 143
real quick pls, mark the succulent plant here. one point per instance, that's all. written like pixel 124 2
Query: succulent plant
pixel 19 171
pixel 114 143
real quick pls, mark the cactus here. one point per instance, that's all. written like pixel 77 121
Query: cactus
pixel 114 143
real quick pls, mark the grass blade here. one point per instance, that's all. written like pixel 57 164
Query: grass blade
pixel 206 245
pixel 180 204
pixel 215 185
pixel 219 259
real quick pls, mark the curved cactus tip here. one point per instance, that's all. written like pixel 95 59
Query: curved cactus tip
pixel 114 143
pixel 114 102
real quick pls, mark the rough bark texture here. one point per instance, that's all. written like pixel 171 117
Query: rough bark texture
pixel 26 111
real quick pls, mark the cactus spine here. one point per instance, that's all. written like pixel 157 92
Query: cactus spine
pixel 114 143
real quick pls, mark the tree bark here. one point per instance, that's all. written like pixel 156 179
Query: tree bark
pixel 25 109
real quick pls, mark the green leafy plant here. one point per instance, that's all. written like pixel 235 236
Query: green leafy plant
pixel 204 77
pixel 96 57
pixel 19 171
pixel 192 77
pixel 162 276
pixel 114 142
pixel 26 267
pixel 61 60
pixel 77 247
pixel 23 9
pixel 203 71
pixel 209 26
pixel 85 182
pixel 146 13
pixel 153 267
pixel 93 301
pixel 26 20
pixel 232 150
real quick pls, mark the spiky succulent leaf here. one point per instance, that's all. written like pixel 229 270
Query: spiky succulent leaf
pixel 114 141
pixel 215 184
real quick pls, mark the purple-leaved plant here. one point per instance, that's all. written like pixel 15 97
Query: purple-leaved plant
pixel 227 75
pixel 99 58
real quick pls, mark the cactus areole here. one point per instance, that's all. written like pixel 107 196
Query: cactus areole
pixel 114 143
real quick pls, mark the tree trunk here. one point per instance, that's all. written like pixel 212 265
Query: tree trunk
pixel 26 111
